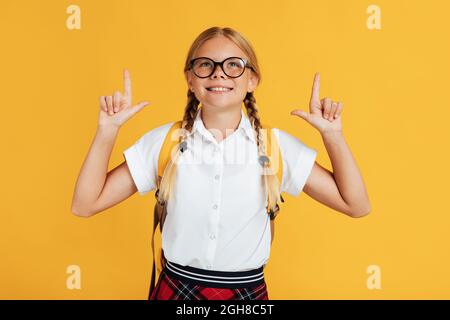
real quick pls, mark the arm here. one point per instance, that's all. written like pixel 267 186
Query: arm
pixel 343 189
pixel 96 189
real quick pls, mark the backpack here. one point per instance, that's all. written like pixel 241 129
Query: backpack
pixel 160 212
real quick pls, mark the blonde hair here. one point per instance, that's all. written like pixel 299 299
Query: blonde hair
pixel 271 183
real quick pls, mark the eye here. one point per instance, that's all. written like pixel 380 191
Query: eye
pixel 233 64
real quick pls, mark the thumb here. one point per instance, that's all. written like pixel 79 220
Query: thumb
pixel 302 114
pixel 139 106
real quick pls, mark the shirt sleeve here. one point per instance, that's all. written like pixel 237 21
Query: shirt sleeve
pixel 142 158
pixel 298 160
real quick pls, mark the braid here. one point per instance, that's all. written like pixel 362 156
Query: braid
pixel 252 112
pixel 190 111
pixel 271 182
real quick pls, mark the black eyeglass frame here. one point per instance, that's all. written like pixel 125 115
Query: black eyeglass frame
pixel 246 65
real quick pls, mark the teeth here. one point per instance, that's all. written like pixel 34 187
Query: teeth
pixel 219 89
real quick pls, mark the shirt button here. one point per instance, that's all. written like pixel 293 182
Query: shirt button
pixel 215 206
pixel 212 236
pixel 208 266
pixel 217 177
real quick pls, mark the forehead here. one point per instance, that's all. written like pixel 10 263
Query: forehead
pixel 218 49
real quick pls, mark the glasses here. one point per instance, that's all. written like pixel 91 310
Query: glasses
pixel 204 67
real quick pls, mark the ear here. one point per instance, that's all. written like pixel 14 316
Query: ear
pixel 188 76
pixel 252 81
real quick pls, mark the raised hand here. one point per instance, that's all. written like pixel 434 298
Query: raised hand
pixel 115 110
pixel 325 114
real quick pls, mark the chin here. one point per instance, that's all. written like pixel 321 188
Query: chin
pixel 220 103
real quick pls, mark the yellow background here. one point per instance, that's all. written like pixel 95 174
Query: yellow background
pixel 393 83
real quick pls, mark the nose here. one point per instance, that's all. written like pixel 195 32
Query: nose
pixel 218 71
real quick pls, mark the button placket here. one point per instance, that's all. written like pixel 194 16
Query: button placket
pixel 216 193
pixel 218 165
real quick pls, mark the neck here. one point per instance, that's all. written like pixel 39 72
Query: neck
pixel 221 123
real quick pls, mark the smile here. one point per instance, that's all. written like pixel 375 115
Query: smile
pixel 219 89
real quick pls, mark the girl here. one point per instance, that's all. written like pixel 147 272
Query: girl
pixel 216 237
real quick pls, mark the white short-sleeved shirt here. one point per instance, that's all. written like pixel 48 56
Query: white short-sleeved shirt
pixel 217 218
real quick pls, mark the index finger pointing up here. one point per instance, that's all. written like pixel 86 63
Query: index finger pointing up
pixel 315 89
pixel 127 82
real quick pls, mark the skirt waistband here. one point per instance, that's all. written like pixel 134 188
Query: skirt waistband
pixel 217 279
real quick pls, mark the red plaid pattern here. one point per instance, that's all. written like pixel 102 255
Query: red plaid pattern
pixel 170 288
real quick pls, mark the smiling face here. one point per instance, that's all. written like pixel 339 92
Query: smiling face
pixel 218 49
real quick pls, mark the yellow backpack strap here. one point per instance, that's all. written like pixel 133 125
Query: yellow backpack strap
pixel 166 148
pixel 159 210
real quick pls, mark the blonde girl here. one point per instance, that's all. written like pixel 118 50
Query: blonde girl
pixel 216 237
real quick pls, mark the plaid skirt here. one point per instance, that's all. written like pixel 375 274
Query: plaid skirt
pixel 177 282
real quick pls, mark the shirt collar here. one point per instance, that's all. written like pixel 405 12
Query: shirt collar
pixel 244 125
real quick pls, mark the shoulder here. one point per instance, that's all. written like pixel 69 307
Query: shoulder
pixel 285 138
pixel 292 147
pixel 150 143
pixel 298 160
pixel 142 157
pixel 157 134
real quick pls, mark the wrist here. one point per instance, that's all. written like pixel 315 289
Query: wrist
pixel 332 134
pixel 108 130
